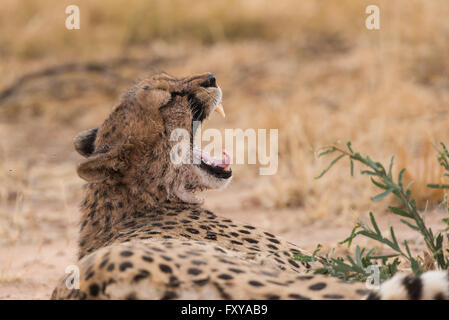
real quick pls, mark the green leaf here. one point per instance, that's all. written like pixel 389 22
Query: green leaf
pixel 317 249
pixel 371 235
pixel 358 256
pixel 386 256
pixel 400 176
pixel 438 186
pixel 330 166
pixel 407 249
pixel 328 151
pixel 302 257
pixel 393 237
pixel 391 167
pixel 348 144
pixel 378 184
pixel 351 236
pixel 399 212
pixel 439 242
pixel 370 173
pixel 409 225
pixel 374 224
pixel 351 163
pixel 415 267
pixel 381 195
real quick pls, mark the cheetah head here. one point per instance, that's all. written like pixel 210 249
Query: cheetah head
pixel 136 145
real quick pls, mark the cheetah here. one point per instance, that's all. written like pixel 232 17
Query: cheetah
pixel 145 235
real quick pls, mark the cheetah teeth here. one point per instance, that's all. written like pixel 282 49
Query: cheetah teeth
pixel 220 110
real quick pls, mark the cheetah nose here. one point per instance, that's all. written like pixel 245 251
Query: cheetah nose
pixel 209 82
pixel 212 81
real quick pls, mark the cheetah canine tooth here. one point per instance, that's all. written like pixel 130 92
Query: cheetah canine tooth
pixel 220 110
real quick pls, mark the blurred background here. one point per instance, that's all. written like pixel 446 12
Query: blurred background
pixel 308 68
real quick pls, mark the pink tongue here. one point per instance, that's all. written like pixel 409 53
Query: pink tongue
pixel 223 163
pixel 226 161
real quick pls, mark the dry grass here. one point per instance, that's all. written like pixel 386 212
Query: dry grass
pixel 308 68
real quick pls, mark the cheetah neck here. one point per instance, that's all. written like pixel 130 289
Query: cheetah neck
pixel 107 209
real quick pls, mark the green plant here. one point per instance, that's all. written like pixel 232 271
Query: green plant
pixel 350 268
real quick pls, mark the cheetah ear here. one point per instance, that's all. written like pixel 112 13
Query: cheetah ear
pixel 85 142
pixel 102 164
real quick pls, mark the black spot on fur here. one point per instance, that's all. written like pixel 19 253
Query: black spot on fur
pixel 224 295
pixel 169 295
pixel 194 271
pixel 126 253
pixel 174 282
pixel 333 296
pixel 90 275
pixel 193 231
pixel 279 260
pixel 362 292
pixel 94 289
pixel 211 236
pixel 166 258
pixel 219 249
pixel 141 275
pixel 165 268
pixel 304 277
pixel 201 282
pixel 318 286
pixel 225 276
pixel 439 296
pixel 293 263
pixel 297 297
pixel 255 283
pixel 108 206
pixel 235 270
pixel 250 240
pixel 413 285
pixel 373 296
pixel 198 262
pixel 125 265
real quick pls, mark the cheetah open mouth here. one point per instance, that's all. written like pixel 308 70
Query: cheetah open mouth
pixel 216 167
pixel 219 168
